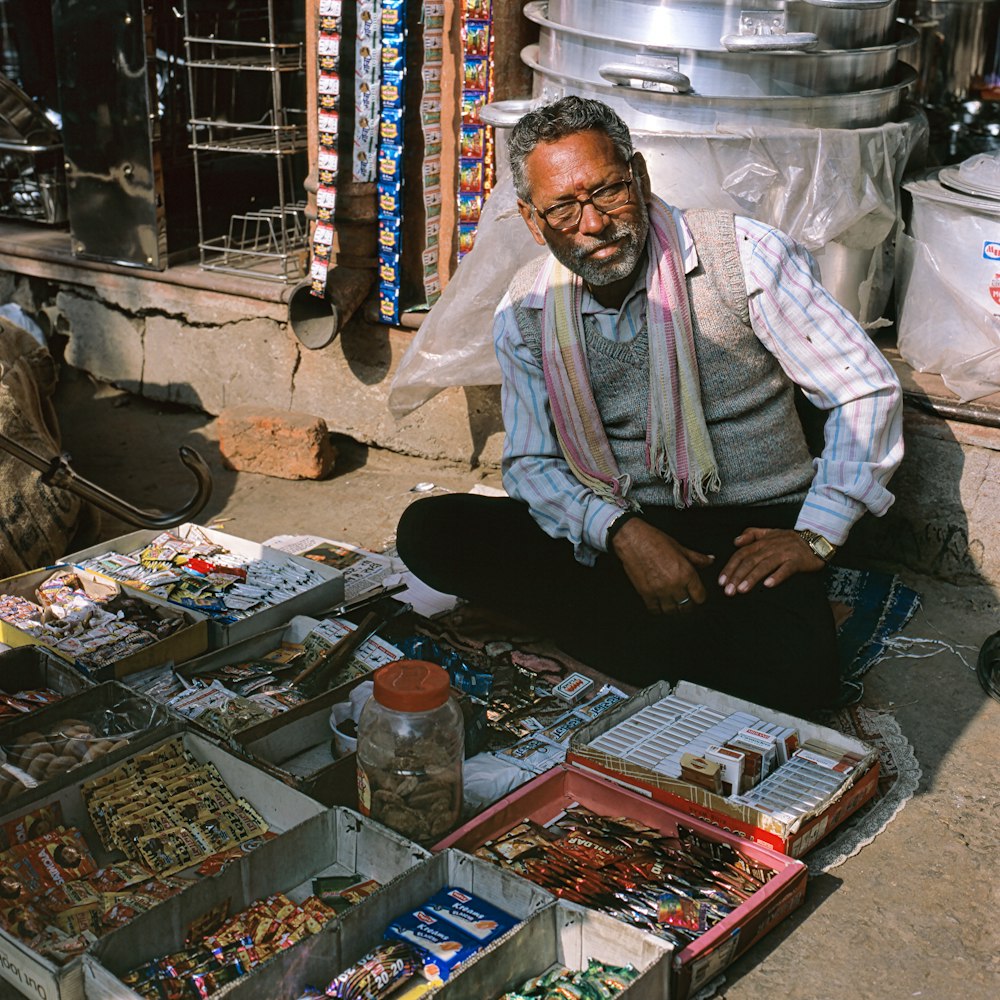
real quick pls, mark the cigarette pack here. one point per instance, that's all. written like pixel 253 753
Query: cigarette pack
pixel 703 772
pixel 731 762
pixel 573 687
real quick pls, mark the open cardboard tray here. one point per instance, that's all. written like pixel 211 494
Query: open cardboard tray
pixel 282 807
pixel 302 728
pixel 25 668
pixel 570 935
pixel 795 838
pixel 306 738
pixel 336 842
pixel 189 640
pixel 699 962
pixel 314 601
pixel 318 959
pixel 135 716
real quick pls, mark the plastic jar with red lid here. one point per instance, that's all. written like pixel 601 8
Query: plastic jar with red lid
pixel 411 745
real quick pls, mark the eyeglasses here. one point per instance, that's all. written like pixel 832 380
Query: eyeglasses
pixel 565 215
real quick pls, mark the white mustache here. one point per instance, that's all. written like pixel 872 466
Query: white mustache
pixel 580 253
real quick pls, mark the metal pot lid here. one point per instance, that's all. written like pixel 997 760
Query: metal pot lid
pixel 978 176
pixel 928 187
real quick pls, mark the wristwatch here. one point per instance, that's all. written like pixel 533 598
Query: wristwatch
pixel 820 546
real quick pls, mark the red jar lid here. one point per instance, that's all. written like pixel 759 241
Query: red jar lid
pixel 411 686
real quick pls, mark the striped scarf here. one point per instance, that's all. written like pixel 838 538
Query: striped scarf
pixel 678 448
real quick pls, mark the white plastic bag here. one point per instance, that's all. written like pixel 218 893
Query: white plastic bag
pixel 454 345
pixel 942 328
pixel 836 191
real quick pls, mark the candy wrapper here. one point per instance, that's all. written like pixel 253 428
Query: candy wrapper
pixel 676 887
pixel 88 620
pixel 328 85
pixel 377 975
pixel 476 158
pixel 390 151
pixel 598 981
pixel 430 120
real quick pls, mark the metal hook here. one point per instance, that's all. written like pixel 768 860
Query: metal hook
pixel 58 472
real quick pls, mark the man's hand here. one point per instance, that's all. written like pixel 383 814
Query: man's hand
pixel 663 572
pixel 770 555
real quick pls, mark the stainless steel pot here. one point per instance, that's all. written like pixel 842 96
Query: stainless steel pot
pixel 685 112
pixel 957 47
pixel 703 24
pixel 754 67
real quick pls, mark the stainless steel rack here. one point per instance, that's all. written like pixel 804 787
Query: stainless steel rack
pixel 221 45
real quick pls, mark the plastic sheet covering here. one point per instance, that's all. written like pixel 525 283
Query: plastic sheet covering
pixel 948 283
pixel 836 191
pixel 454 345
pixel 942 328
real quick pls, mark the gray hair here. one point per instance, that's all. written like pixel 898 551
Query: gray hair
pixel 555 121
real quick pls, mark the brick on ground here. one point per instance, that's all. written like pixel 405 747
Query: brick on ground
pixel 282 443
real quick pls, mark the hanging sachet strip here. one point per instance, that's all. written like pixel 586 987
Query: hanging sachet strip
pixel 475 163
pixel 367 81
pixel 390 158
pixel 328 120
pixel 430 121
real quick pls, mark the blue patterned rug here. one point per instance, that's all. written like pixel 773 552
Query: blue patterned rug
pixel 869 607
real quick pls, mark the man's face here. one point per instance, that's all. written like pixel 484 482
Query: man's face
pixel 602 248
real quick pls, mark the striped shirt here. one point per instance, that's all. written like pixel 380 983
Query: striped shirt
pixel 818 344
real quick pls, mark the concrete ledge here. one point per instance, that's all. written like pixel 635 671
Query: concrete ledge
pixel 203 349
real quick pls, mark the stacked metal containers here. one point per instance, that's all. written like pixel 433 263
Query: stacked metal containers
pixel 702 63
pixel 792 111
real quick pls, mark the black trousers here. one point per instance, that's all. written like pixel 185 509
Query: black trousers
pixel 774 646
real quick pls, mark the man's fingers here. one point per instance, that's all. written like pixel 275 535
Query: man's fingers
pixel 749 536
pixel 780 575
pixel 698 558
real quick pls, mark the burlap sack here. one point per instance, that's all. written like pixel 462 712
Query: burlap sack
pixel 37 522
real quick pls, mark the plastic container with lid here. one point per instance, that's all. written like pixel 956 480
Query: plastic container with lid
pixel 411 744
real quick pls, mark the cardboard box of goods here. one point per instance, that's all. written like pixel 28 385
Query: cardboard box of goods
pixel 190 639
pixel 793 837
pixel 337 842
pixel 295 745
pixel 319 958
pixel 569 935
pixel 78 736
pixel 374 652
pixel 324 595
pixel 152 681
pixel 28 668
pixel 282 808
pixel 545 798
pixel 257 647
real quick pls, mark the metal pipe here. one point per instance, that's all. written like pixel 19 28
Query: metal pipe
pixel 316 321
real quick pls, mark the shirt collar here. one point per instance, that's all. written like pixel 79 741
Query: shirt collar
pixel 535 299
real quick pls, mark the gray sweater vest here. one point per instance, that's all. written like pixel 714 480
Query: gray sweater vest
pixel 747 399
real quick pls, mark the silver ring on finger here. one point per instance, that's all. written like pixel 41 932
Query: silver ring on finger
pixel 681 603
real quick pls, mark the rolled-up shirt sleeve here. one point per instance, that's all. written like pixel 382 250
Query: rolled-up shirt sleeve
pixel 534 469
pixel 823 349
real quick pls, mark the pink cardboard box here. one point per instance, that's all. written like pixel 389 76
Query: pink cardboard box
pixel 548 795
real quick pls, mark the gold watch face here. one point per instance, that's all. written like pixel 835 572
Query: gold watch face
pixel 820 546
